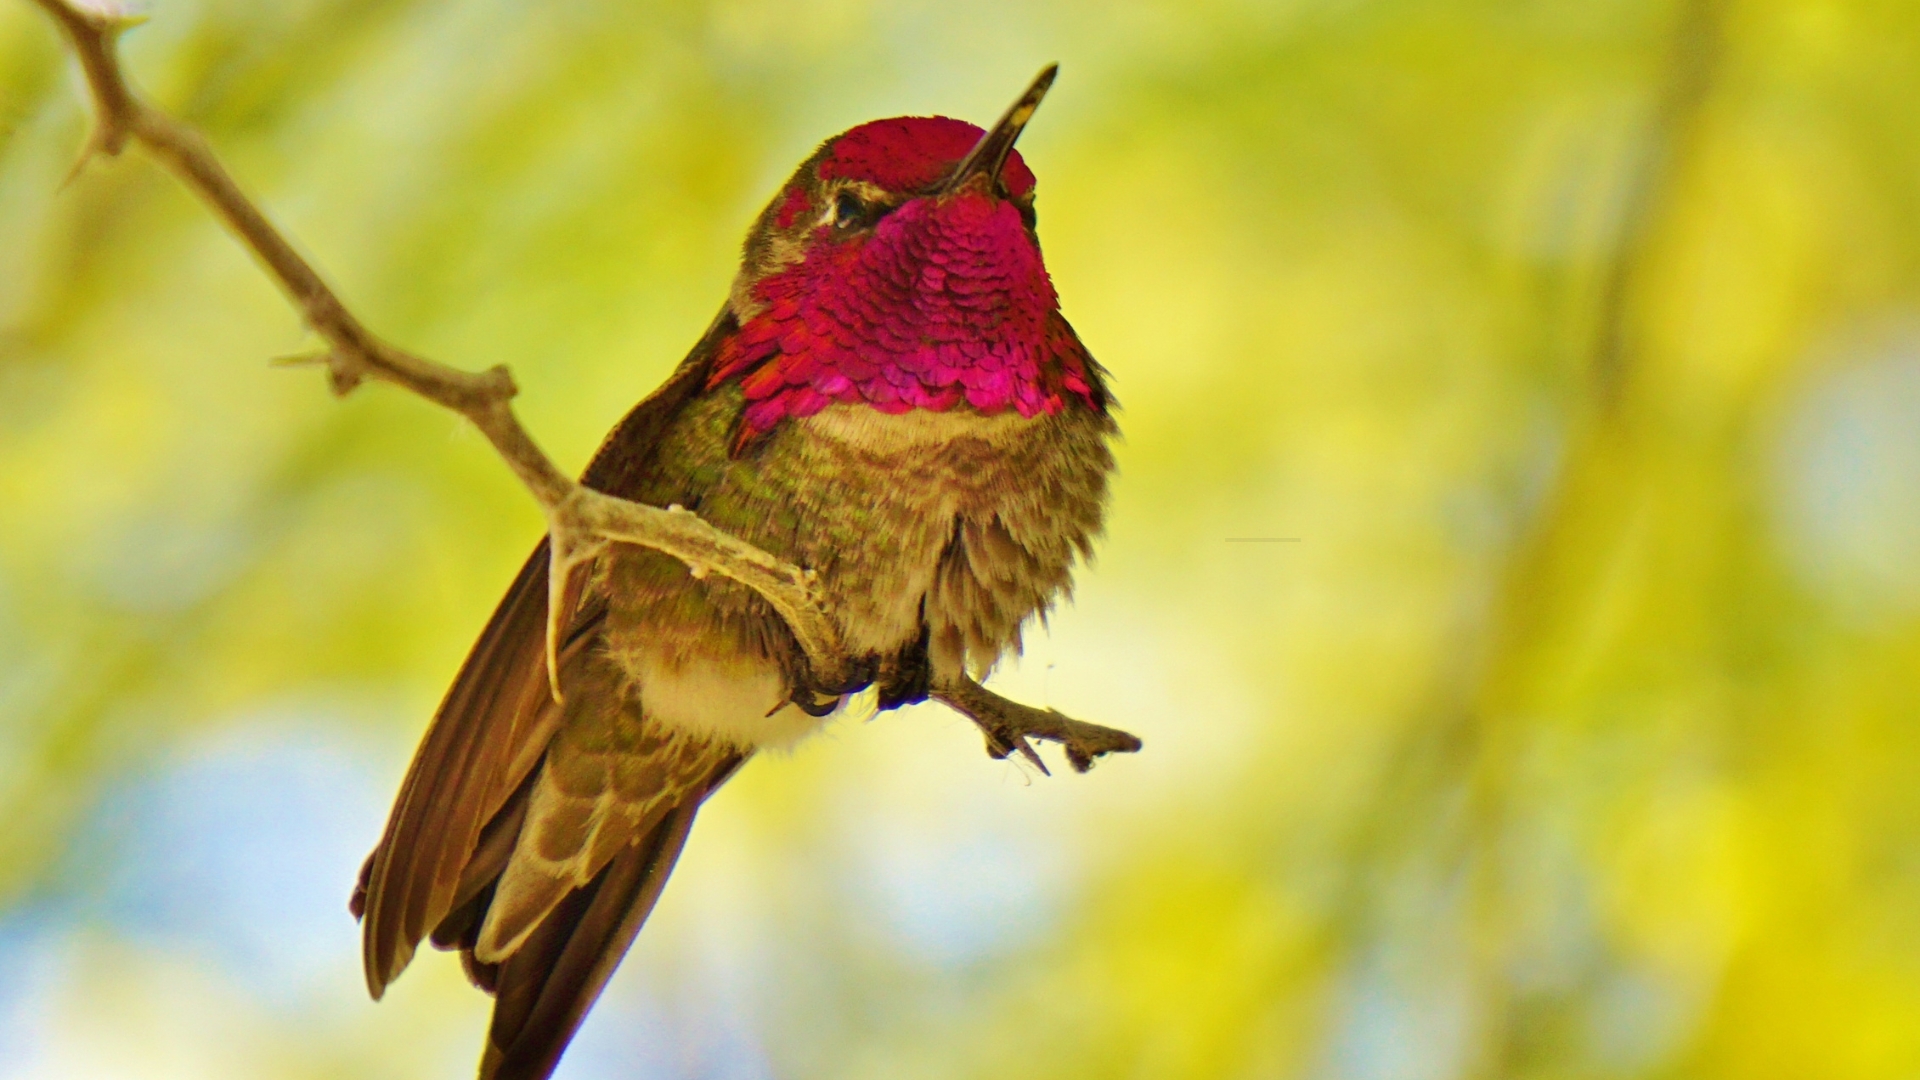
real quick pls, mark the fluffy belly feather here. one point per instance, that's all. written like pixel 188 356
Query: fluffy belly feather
pixel 952 524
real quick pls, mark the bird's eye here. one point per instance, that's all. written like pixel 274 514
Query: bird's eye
pixel 1028 215
pixel 848 211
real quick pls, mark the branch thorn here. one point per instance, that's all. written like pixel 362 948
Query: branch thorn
pixel 344 372
pixel 92 149
pixel 567 553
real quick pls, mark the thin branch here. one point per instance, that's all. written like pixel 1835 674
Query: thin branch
pixel 1692 63
pixel 580 521
pixel 1008 725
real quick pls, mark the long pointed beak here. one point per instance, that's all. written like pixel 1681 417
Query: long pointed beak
pixel 990 153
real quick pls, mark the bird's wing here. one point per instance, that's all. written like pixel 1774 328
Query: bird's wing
pixel 470 774
pixel 610 773
pixel 546 986
pixel 489 730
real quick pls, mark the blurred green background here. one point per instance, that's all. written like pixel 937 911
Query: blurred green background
pixel 1576 341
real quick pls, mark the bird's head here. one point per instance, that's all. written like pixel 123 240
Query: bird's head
pixel 899 267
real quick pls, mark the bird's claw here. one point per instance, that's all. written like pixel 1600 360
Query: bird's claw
pixel 861 671
pixel 807 702
pixel 911 680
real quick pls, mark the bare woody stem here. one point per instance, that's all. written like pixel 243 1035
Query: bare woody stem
pixel 1008 725
pixel 580 521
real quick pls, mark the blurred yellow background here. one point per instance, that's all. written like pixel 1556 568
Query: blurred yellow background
pixel 1576 341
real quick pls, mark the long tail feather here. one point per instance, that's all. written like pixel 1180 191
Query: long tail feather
pixel 545 988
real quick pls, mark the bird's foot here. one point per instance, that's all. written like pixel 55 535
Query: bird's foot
pixel 1008 725
pixel 819 700
pixel 909 680
pixel 861 671
pixel 810 703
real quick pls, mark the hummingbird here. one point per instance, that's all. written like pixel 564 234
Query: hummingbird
pixel 889 397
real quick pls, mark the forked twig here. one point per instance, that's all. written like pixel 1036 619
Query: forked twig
pixel 1008 725
pixel 580 521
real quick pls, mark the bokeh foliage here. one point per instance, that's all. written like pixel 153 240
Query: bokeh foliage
pixel 1577 341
